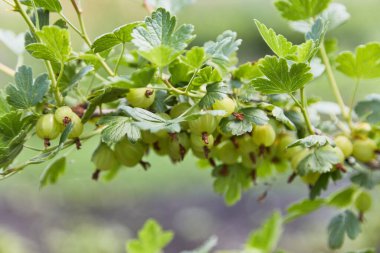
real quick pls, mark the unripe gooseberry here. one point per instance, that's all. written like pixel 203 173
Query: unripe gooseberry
pixel 129 154
pixel 104 158
pixel 141 97
pixel 201 141
pixel 161 147
pixel 148 137
pixel 264 135
pixel 226 104
pixel 311 178
pixel 363 202
pixel 178 147
pixel 48 128
pixel 206 123
pixel 364 150
pixel 344 144
pixel 297 159
pixel 77 129
pixel 63 115
pixel 227 153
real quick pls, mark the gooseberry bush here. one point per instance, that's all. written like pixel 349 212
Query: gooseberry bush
pixel 140 88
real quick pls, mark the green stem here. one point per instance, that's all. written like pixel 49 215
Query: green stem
pixel 120 59
pixel 178 91
pixel 83 33
pixel 333 83
pixel 7 70
pixel 303 109
pixel 353 100
pixel 49 67
pixel 191 81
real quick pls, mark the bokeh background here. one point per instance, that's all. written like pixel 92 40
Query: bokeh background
pixel 80 215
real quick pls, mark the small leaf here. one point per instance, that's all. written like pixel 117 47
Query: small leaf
pixel 247 72
pixel 369 109
pixel 216 91
pixel 344 223
pixel 342 198
pixel 195 57
pixel 55 44
pixel 119 127
pixel 303 208
pixel 267 237
pixel 120 35
pixel 301 10
pixel 52 173
pixel 279 78
pixel 220 51
pixel 26 93
pixel 278 114
pixel 364 64
pixel 277 42
pixel 313 141
pixel 158 41
pixel 151 238
pixel 207 75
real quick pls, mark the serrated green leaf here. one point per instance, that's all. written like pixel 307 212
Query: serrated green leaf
pixel 303 208
pixel 342 198
pixel 320 161
pixel 180 73
pixel 158 41
pixel 26 93
pixel 301 9
pixel 195 57
pixel 251 117
pixel 52 172
pixel 313 141
pixel 50 5
pixel 364 64
pixel 344 223
pixel 54 46
pixel 207 75
pixel 267 237
pixel 278 114
pixel 216 91
pixel 277 42
pixel 369 109
pixel 247 72
pixel 220 51
pixel 120 35
pixel 151 239
pixel 279 78
pixel 232 183
pixel 119 128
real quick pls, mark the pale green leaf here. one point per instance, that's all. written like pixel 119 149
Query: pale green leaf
pixel 54 46
pixel 301 9
pixel 118 128
pixel 267 237
pixel 364 64
pixel 26 93
pixel 159 41
pixel 342 198
pixel 313 141
pixel 303 208
pixel 320 161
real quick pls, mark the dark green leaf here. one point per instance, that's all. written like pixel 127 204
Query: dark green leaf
pixel 344 223
pixel 281 79
pixel 52 172
pixel 26 93
pixel 216 91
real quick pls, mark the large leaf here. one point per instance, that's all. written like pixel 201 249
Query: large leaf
pixel 120 35
pixel 26 93
pixel 54 46
pixel 266 238
pixel 279 78
pixel 151 239
pixel 319 160
pixel 119 128
pixel 158 41
pixel 364 64
pixel 342 224
pixel 301 9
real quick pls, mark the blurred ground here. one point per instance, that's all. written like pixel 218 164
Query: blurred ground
pixel 105 214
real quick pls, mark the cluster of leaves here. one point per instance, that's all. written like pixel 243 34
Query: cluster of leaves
pixel 141 88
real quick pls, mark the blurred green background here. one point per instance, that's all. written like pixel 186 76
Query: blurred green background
pixel 80 215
